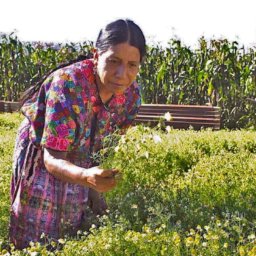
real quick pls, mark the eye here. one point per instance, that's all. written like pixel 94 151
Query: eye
pixel 134 65
pixel 113 61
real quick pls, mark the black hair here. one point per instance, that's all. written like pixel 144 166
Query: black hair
pixel 116 32
pixel 122 31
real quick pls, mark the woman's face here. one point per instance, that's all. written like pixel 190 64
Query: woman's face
pixel 117 68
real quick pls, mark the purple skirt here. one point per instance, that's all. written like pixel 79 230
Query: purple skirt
pixel 41 203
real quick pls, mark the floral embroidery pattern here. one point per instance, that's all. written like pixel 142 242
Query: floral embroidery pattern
pixel 72 99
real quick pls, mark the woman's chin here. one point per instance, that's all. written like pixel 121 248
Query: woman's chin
pixel 118 93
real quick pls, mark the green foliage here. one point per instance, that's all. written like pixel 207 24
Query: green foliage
pixel 218 72
pixel 180 193
pixel 8 125
pixel 24 63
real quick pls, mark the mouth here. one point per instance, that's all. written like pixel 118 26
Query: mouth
pixel 117 85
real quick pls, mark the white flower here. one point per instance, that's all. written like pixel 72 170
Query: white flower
pixel 42 235
pixel 157 138
pixel 147 154
pixel 251 237
pixel 167 116
pixel 199 228
pixel 206 228
pixel 123 140
pixel 168 128
pixel 107 246
pixel 33 253
pixel 61 241
pixel 116 148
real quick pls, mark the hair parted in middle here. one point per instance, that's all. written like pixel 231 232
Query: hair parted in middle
pixel 122 31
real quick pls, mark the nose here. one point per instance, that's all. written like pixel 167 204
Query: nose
pixel 121 71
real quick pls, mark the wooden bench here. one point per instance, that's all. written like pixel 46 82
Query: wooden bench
pixel 9 106
pixel 182 116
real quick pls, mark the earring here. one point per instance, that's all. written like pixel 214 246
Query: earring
pixel 94 68
pixel 95 60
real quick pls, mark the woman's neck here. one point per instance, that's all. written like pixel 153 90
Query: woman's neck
pixel 103 93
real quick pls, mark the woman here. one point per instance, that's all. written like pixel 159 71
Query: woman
pixel 67 118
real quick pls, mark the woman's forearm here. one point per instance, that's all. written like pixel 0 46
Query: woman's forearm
pixel 94 177
pixel 62 169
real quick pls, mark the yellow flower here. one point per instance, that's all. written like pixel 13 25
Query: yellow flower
pixel 241 251
pixel 76 109
pixel 189 241
pixel 176 238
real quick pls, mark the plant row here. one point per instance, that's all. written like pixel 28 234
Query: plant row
pixel 180 193
pixel 217 72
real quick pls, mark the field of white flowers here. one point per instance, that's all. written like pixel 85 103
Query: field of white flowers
pixel 181 193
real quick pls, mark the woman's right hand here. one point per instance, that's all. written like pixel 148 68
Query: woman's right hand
pixel 99 179
pixel 94 177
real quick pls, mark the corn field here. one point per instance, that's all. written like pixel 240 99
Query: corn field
pixel 217 72
pixel 24 63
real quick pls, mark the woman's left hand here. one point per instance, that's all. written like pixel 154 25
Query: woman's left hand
pixel 97 202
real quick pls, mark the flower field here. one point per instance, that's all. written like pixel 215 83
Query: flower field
pixel 180 193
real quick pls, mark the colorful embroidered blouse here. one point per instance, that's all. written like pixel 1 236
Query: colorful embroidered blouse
pixel 62 115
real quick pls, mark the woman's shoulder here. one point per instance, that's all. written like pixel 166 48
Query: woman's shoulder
pixel 76 76
pixel 77 71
